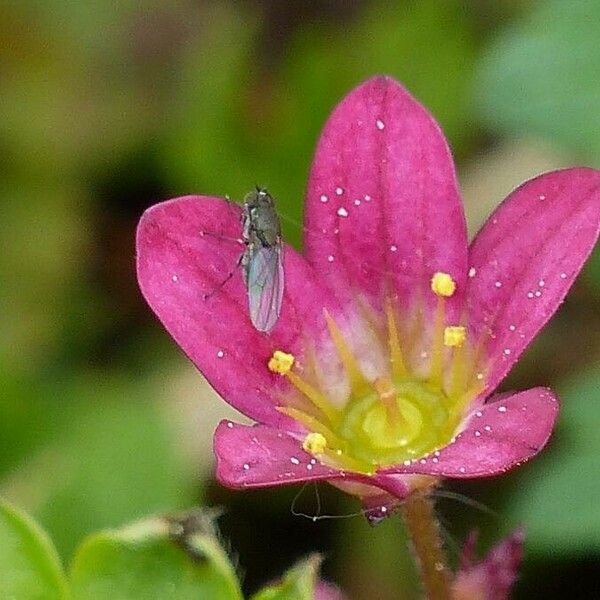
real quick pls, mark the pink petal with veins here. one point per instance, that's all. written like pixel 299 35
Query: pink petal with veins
pixel 525 259
pixel 383 212
pixel 258 456
pixel 497 437
pixel 183 255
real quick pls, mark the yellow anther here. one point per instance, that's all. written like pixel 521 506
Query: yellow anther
pixel 315 443
pixel 455 336
pixel 281 362
pixel 442 284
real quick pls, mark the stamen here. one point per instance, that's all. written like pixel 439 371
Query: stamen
pixel 281 362
pixel 357 381
pixel 398 368
pixel 442 284
pixel 454 336
pixel 316 397
pixel 313 424
pixel 315 443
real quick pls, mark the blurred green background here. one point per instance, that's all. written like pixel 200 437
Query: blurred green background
pixel 108 107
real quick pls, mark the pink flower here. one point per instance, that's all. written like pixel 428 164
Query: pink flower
pixel 394 333
pixel 494 576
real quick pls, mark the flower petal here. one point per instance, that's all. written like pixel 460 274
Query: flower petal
pixel 497 437
pixel 186 248
pixel 495 574
pixel 383 205
pixel 256 456
pixel 327 591
pixel 525 259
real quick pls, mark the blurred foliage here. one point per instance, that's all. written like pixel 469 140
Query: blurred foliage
pixel 556 499
pixel 542 76
pixel 161 558
pixel 297 584
pixel 110 107
pixel 172 556
pixel 29 566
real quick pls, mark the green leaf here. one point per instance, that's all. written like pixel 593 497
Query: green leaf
pixel 297 584
pixel 556 496
pixel 174 557
pixel 29 565
pixel 112 456
pixel 542 77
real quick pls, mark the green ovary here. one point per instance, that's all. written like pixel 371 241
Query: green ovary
pixel 413 422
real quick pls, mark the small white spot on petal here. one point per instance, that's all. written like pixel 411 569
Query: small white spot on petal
pixel 487 428
pixel 324 198
pixel 435 460
pixel 246 466
pixel 406 463
pixel 367 198
pixel 480 376
pixel 384 509
pixel 423 461
pixel 436 453
pixel 541 283
pixel 472 272
pixel 479 414
pixel 309 467
pixel 542 197
pixel 357 202
pixel 477 433
pixel 393 248
pixel 230 425
pixel 380 124
pixel 507 351
pixel 342 212
pixel 339 191
pixel 330 258
pixel 530 294
pixel 462 470
pixel 175 279
pixel 512 327
pixel 294 460
pixel 502 409
pixel 313 461
pixel 563 275
pixel 498 284
pixel 220 353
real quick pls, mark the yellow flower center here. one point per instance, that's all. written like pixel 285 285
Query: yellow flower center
pixel 400 416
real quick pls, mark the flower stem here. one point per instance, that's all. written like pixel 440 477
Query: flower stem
pixel 423 528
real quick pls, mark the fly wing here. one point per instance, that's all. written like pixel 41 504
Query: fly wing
pixel 265 286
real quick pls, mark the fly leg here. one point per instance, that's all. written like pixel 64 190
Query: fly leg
pixel 229 276
pixel 219 236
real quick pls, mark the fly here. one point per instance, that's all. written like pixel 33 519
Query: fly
pixel 262 259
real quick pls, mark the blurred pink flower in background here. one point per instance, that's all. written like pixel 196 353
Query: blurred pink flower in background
pixel 493 577
pixel 394 332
